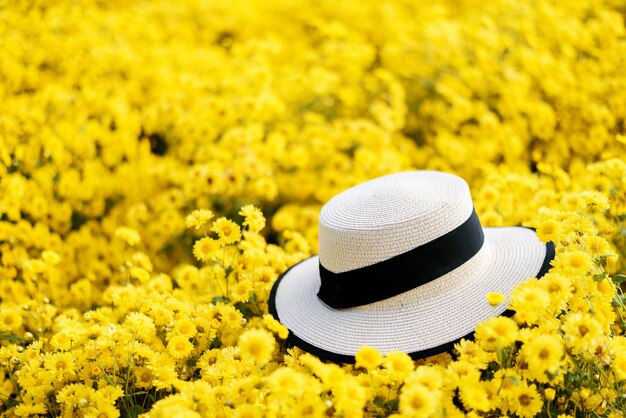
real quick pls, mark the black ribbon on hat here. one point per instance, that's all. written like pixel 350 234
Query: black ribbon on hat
pixel 403 272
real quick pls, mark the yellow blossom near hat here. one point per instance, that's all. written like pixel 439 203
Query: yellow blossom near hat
pixel 495 298
pixel 417 400
pixel 205 248
pixel 257 344
pixel 496 333
pixel 228 231
pixel 368 357
pixel 198 218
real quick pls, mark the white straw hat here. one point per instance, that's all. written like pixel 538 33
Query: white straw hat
pixel 403 265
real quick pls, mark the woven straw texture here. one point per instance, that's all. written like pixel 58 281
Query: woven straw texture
pixel 388 216
pixel 428 316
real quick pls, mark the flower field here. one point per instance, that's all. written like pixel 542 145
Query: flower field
pixel 163 162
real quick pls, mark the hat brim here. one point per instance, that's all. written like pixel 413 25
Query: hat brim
pixel 424 321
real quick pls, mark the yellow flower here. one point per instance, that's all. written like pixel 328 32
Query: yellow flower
pixel 428 376
pixel 530 300
pixel 619 365
pixel 497 332
pixel 574 262
pixel 471 352
pixel 143 377
pixel 595 198
pixel 543 353
pixel 228 231
pixel 368 358
pixel 10 319
pixel 128 235
pixel 474 397
pixel 185 327
pixel 495 298
pixel 62 365
pixel 582 332
pixel 310 407
pixel 29 410
pixel 526 402
pixel 254 219
pixel 559 288
pixel 418 401
pixel 398 363
pixel 258 345
pixel 285 380
pixel 247 411
pixel 198 218
pixel 205 248
pixel 141 325
pixel 51 257
pixel 179 347
pixel 549 230
pixel 549 394
pixel 276 327
pixel 241 291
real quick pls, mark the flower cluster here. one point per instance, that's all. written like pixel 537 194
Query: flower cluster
pixel 162 163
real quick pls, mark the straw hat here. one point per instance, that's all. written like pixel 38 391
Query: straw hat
pixel 404 265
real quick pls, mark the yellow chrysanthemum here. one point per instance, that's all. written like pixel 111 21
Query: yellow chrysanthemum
pixel 276 327
pixel 526 402
pixel 285 380
pixel 474 397
pixel 128 235
pixel 418 401
pixel 205 248
pixel 143 377
pixel 559 288
pixel 198 218
pixel 398 363
pixel 228 231
pixel 574 262
pixel 179 347
pixel 257 344
pixel 368 357
pixel 185 327
pixel 549 230
pixel 543 353
pixel 496 332
pixel 583 333
pixel 495 298
pixel 529 301
pixel 596 199
pixel 241 291
pixel 254 219
pixel 10 319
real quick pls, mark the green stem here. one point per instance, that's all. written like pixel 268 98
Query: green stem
pixel 14 338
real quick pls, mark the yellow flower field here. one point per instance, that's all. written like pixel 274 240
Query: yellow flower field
pixel 163 162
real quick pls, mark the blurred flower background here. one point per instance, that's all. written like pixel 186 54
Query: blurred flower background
pixel 162 162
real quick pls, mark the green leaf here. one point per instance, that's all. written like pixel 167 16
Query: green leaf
pixel 14 338
pixel 216 343
pixel 503 355
pixel 392 405
pixel 378 401
pixel 618 278
pixel 599 277
pixel 605 256
pixel 135 411
pixel 219 298
pixel 618 301
pixel 245 309
pixel 513 380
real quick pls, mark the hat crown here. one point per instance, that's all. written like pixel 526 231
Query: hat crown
pixel 388 216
